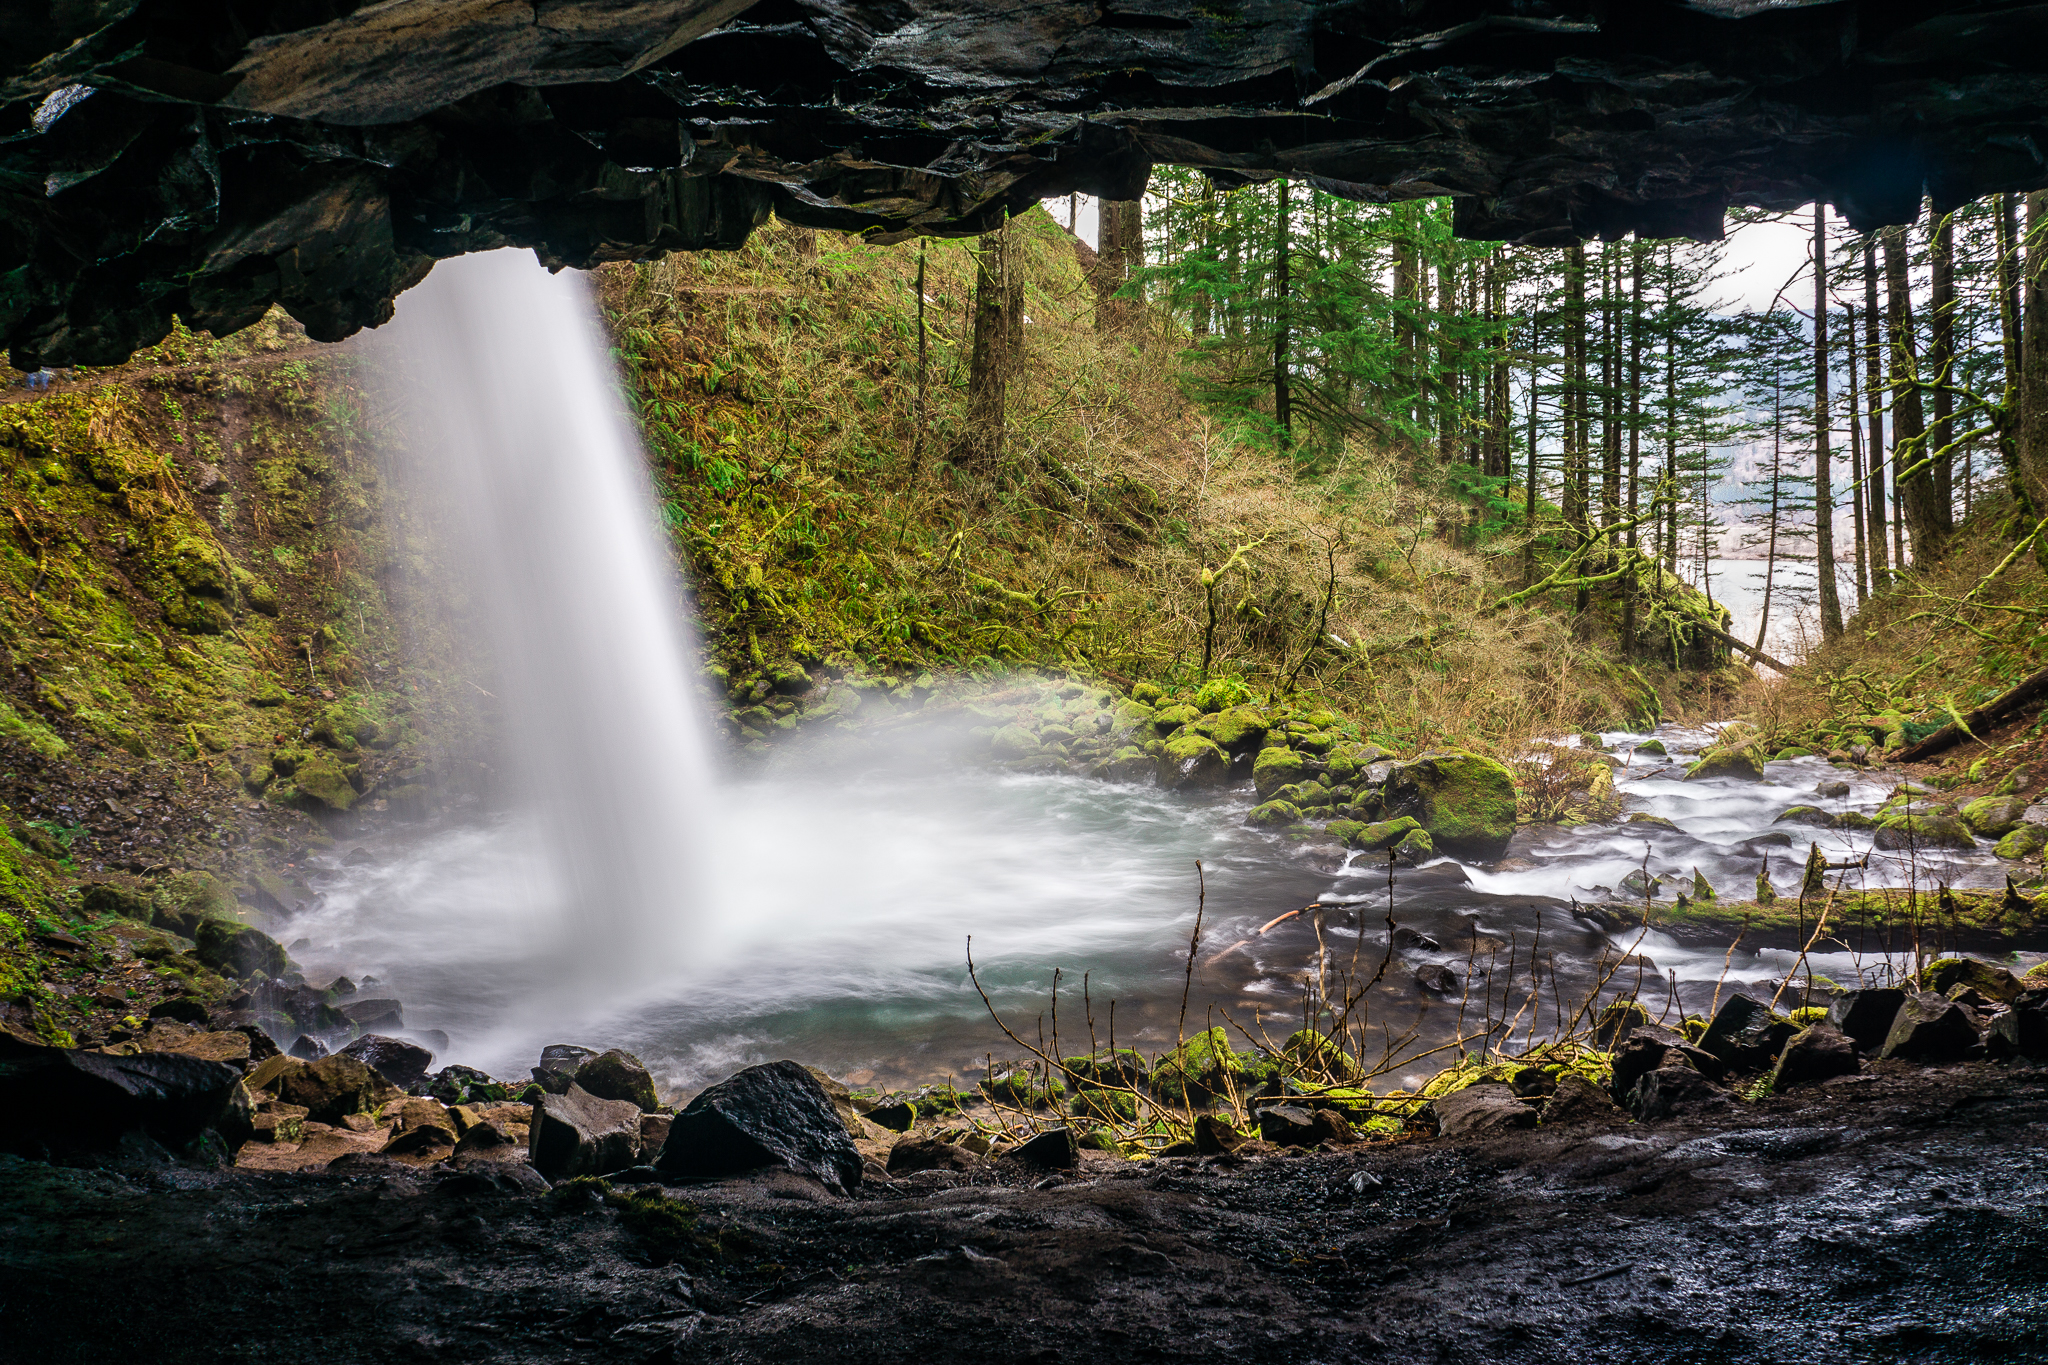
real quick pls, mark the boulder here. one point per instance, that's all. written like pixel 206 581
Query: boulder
pixel 771 1115
pixel 1191 761
pixel 1922 829
pixel 576 1133
pixel 2024 842
pixel 1052 1150
pixel 1014 741
pixel 1817 1053
pixel 1806 815
pixel 1307 1048
pixel 1384 834
pixel 1652 1046
pixel 1743 764
pixel 421 1127
pixel 1671 1091
pixel 1239 729
pixel 1746 1034
pixel 453 1085
pixel 1866 1015
pixel 1577 1100
pixel 617 1075
pixel 1617 1021
pixel 1946 975
pixel 1196 1068
pixel 1215 1136
pixel 230 1046
pixel 330 1089
pixel 322 781
pixel 1276 768
pixel 1298 1125
pixel 63 1101
pixel 1438 980
pixel 1274 815
pixel 1992 817
pixel 1416 847
pixel 372 1015
pixel 654 1134
pixel 1464 801
pixel 2021 1031
pixel 558 1065
pixel 1930 1029
pixel 1477 1110
pixel 402 1063
pixel 913 1154
pixel 236 950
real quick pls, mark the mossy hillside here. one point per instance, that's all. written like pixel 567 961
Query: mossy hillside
pixel 777 387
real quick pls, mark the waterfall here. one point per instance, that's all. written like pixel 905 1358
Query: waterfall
pixel 514 418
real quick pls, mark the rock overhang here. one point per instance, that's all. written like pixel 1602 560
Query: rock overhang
pixel 206 160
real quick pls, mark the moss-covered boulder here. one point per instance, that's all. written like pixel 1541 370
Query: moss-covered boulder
pixel 1128 764
pixel 1238 729
pixel 1652 746
pixel 1130 718
pixel 1382 834
pixel 1743 764
pixel 1308 1051
pixel 184 900
pixel 1344 831
pixel 1992 817
pixel 617 1075
pixel 1465 802
pixel 1276 768
pixel 2024 842
pixel 1191 761
pixel 1923 829
pixel 1168 719
pixel 236 950
pixel 1415 847
pixel 323 782
pixel 1806 815
pixel 1202 1066
pixel 1947 975
pixel 1274 814
pixel 1014 741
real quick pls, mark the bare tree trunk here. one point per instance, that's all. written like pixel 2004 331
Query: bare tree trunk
pixel 1914 481
pixel 980 447
pixel 1448 391
pixel 1873 397
pixel 1941 359
pixel 1408 373
pixel 1823 418
pixel 2033 441
pixel 1856 465
pixel 1283 398
pixel 1119 253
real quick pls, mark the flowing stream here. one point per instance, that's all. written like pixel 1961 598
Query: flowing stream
pixel 638 897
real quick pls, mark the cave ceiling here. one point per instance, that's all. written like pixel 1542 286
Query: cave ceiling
pixel 208 158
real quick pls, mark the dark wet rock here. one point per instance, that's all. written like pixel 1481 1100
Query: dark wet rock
pixel 402 1063
pixel 486 1139
pixel 185 1009
pixel 617 1075
pixel 1437 979
pixel 1672 1092
pixel 771 1115
pixel 237 950
pixel 1577 1100
pixel 1465 802
pixel 1215 1136
pixel 1832 790
pixel 558 1066
pixel 898 1117
pixel 1478 1110
pixel 1746 1034
pixel 308 1049
pixel 372 1015
pixel 2021 1031
pixel 465 1085
pixel 330 1089
pixel 1866 1015
pixel 299 1007
pixel 1052 1150
pixel 913 1154
pixel 1191 761
pixel 422 1126
pixel 1946 975
pixel 60 1101
pixel 1616 1022
pixel 1652 1046
pixel 654 1134
pixel 576 1133
pixel 1930 1029
pixel 1817 1053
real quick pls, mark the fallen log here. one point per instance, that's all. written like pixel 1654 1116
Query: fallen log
pixel 1747 648
pixel 2002 707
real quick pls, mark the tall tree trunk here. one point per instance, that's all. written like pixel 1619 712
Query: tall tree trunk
pixel 1610 389
pixel 980 447
pixel 1873 397
pixel 1823 418
pixel 1529 479
pixel 2033 424
pixel 1407 373
pixel 1119 254
pixel 1856 464
pixel 1577 416
pixel 1450 394
pixel 1283 398
pixel 1915 482
pixel 1671 414
pixel 1941 357
pixel 1763 621
pixel 1503 398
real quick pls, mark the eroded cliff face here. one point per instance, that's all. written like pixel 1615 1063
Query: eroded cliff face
pixel 198 159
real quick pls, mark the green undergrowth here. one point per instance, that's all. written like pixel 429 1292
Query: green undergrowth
pixel 1126 534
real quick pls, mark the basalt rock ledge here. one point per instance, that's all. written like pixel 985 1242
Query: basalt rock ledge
pixel 205 160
